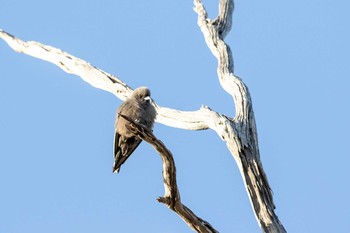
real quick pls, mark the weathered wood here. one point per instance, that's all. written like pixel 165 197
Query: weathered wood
pixel 190 120
pixel 239 132
pixel 171 197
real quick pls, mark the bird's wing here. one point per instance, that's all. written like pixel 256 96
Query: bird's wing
pixel 123 149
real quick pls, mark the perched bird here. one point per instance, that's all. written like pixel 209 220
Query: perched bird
pixel 140 109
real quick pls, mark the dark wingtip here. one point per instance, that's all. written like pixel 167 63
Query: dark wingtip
pixel 116 170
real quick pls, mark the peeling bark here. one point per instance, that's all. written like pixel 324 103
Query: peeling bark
pixel 239 132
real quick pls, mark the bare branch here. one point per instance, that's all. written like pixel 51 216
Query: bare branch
pixel 241 137
pixel 69 64
pixel 239 132
pixel 171 197
pixel 191 120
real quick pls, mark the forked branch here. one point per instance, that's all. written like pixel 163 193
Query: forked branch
pixel 241 137
pixel 171 197
pixel 239 132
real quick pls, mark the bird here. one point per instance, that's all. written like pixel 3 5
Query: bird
pixel 139 108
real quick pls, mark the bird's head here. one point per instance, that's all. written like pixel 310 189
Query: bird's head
pixel 142 94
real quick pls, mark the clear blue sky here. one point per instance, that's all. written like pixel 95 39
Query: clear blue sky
pixel 56 131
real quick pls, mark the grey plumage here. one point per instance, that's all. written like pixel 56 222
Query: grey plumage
pixel 139 108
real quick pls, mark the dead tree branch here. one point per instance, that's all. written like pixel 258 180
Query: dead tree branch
pixel 241 135
pixel 171 197
pixel 239 132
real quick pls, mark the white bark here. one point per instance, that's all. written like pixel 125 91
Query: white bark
pixel 191 120
pixel 239 133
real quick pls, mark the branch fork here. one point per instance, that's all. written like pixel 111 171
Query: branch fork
pixel 171 197
pixel 239 132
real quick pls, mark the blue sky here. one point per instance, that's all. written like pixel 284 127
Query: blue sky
pixel 57 131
